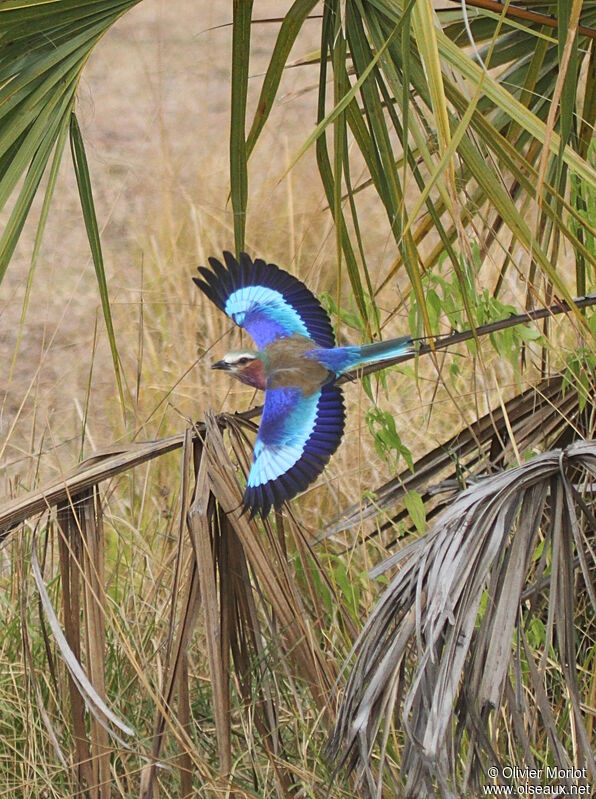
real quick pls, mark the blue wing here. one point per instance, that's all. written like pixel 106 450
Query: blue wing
pixel 296 438
pixel 264 300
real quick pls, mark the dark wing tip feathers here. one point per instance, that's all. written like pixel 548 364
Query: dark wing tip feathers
pixel 322 443
pixel 220 281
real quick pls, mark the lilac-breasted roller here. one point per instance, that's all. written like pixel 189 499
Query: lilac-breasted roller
pixel 296 365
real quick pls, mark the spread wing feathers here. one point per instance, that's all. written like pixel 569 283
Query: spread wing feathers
pixel 264 300
pixel 296 438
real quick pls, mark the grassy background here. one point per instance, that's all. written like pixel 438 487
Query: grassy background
pixel 154 110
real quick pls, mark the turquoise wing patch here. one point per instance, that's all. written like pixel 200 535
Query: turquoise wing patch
pixel 263 299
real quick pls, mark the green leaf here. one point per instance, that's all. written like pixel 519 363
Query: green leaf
pixel 290 28
pixel 415 507
pixel 88 207
pixel 567 105
pixel 49 193
pixel 512 107
pixel 347 98
pixel 31 183
pixel 238 150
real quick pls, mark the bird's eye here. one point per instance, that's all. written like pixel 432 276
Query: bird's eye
pixel 243 361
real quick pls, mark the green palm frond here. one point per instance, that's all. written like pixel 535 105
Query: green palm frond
pixel 465 123
pixel 44 47
pixel 43 50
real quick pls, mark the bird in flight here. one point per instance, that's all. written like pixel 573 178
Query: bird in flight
pixel 296 364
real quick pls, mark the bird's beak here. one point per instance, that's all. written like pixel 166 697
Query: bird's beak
pixel 220 365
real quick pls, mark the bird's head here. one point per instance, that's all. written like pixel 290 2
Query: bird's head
pixel 245 365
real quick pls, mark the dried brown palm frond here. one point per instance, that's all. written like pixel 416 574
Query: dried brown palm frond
pixel 103 465
pixel 256 620
pixel 540 418
pixel 451 648
pixel 260 626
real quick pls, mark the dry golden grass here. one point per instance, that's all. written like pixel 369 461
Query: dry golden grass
pixel 154 112
pixel 143 101
pixel 155 93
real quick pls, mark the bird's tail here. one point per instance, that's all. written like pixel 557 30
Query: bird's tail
pixel 342 359
pixel 382 350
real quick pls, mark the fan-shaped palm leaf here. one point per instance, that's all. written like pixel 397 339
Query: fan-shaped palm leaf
pixel 451 635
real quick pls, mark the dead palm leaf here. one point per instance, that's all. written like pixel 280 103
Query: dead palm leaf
pixel 451 635
pixel 256 620
pixel 540 418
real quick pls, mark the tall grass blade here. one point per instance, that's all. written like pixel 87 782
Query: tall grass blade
pixel 289 30
pixel 238 150
pixel 88 207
